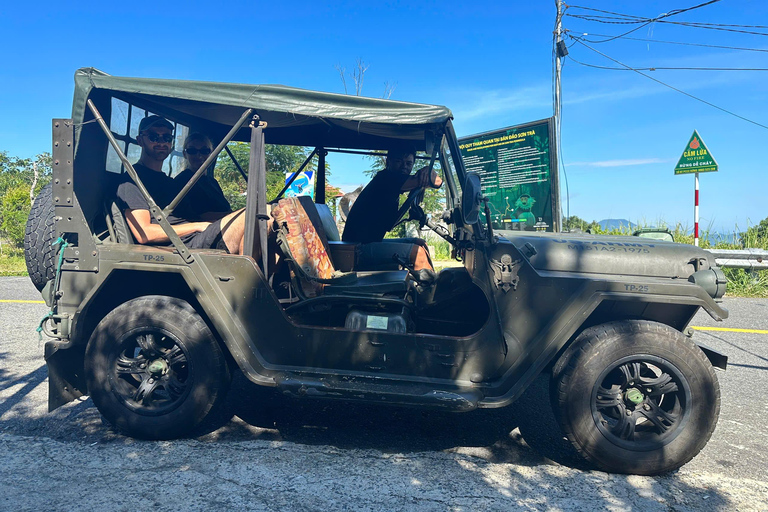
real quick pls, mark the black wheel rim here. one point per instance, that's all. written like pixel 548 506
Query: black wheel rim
pixel 150 371
pixel 641 402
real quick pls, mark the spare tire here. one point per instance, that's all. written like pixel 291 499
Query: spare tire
pixel 39 235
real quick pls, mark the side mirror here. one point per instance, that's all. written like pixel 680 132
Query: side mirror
pixel 471 198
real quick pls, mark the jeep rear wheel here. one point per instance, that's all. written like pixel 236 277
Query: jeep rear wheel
pixel 154 369
pixel 636 397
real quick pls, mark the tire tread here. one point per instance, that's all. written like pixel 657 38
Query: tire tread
pixel 39 235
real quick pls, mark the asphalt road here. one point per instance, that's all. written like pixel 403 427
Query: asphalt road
pixel 281 454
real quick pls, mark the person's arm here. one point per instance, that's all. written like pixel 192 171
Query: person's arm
pixel 422 179
pixel 140 223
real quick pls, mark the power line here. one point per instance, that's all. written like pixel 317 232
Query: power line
pixel 640 19
pixel 694 24
pixel 721 24
pixel 646 21
pixel 670 86
pixel 713 27
pixel 605 19
pixel 660 17
pixel 663 68
pixel 681 23
pixel 615 18
pixel 683 43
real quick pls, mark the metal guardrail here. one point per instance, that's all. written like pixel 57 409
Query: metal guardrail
pixel 752 259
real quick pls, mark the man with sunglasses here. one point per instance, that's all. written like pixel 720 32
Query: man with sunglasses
pixel 156 141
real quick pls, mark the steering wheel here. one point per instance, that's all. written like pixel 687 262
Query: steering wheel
pixel 414 198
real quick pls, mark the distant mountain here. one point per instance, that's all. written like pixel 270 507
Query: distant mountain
pixel 616 224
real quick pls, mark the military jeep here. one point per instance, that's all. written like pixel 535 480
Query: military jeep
pixel 153 334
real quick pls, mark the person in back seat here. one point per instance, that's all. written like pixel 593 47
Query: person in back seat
pixel 374 212
pixel 156 141
pixel 206 196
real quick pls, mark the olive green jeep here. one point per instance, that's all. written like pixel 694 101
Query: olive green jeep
pixel 153 334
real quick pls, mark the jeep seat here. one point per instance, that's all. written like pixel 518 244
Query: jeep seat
pixel 302 240
pixel 122 231
pixel 385 255
pixel 328 223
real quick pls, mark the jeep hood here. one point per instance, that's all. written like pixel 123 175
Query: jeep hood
pixel 620 255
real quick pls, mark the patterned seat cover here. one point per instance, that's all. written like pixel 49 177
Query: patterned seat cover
pixel 305 243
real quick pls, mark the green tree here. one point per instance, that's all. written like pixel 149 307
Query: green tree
pixel 16 171
pixel 20 180
pixel 755 236
pixel 574 222
pixel 331 193
pixel 280 160
pixel 14 211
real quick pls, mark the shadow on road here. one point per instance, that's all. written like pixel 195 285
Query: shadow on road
pixel 524 435
pixel 734 345
pixel 27 382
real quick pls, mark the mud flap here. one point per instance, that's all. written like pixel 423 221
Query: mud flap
pixel 717 359
pixel 66 374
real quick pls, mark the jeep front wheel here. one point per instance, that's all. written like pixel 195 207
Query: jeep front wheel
pixel 635 397
pixel 154 368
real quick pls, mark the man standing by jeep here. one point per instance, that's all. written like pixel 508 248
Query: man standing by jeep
pixel 375 209
pixel 156 141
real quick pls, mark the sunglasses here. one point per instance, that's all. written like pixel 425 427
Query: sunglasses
pixel 156 137
pixel 194 151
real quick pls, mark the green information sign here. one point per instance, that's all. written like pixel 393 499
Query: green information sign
pixel 518 174
pixel 696 157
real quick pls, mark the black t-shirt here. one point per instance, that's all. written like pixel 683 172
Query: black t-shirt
pixel 206 195
pixel 161 187
pixel 375 209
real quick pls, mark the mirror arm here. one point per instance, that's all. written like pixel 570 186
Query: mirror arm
pixel 442 231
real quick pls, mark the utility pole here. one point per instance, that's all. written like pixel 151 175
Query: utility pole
pixel 560 51
pixel 558 63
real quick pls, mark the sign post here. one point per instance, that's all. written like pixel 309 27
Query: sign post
pixel 518 173
pixel 696 158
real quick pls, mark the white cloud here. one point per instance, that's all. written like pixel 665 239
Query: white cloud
pixel 474 104
pixel 609 94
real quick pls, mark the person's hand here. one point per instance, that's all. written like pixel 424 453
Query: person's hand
pixel 425 178
pixel 202 226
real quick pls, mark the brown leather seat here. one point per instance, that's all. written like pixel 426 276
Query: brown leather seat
pixel 301 238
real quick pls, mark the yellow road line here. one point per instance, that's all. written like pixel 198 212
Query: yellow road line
pixel 24 301
pixel 728 329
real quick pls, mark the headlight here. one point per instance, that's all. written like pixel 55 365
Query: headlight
pixel 712 280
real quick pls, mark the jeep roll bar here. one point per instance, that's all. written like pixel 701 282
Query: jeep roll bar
pixel 161 216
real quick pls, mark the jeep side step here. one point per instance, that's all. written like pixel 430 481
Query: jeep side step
pixel 459 400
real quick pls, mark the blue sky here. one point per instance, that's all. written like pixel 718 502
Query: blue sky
pixel 489 62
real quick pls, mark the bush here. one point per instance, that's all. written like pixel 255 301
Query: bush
pixel 442 250
pixel 14 211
